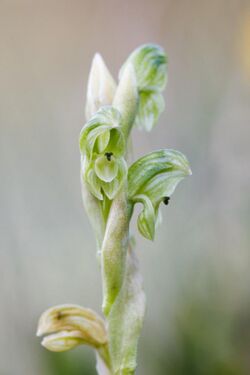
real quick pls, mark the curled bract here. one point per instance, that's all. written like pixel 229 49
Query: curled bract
pixel 67 326
pixel 150 65
pixel 152 179
pixel 102 146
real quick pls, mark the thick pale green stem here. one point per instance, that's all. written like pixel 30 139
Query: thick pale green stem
pixel 114 249
pixel 124 298
pixel 114 253
pixel 126 318
pixel 115 242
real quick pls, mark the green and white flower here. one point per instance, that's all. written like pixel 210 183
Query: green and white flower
pixel 102 146
pixel 152 179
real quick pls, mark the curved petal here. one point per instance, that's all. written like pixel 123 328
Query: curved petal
pixel 112 188
pixel 147 219
pixel 154 164
pixel 150 64
pixel 151 106
pixel 103 141
pixel 153 179
pixel 104 120
pixel 94 184
pixel 106 169
pixel 63 341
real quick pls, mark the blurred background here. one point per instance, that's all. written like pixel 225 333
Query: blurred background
pixel 197 272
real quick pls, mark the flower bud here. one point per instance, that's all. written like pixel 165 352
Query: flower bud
pixel 101 86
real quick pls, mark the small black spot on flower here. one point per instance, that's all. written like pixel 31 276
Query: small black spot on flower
pixel 166 200
pixel 108 155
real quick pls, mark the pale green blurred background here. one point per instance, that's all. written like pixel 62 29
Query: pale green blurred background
pixel 197 272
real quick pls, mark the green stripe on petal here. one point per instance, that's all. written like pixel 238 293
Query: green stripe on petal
pixel 153 164
pixel 150 64
pixel 162 185
pixel 151 105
